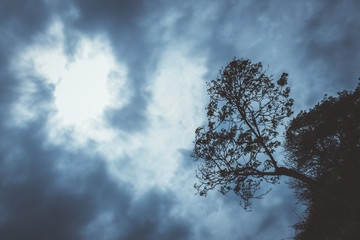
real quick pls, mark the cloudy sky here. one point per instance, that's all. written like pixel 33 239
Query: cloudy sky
pixel 99 101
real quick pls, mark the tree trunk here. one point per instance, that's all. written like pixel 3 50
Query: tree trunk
pixel 317 187
pixel 299 176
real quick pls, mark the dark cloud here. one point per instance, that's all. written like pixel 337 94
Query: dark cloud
pixel 149 219
pixel 280 216
pixel 131 117
pixel 40 201
pixel 23 17
pixel 19 21
pixel 330 43
pixel 316 42
pixel 274 214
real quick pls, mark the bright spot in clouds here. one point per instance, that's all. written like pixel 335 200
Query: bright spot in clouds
pixel 85 84
pixel 82 91
pixel 82 83
pixel 92 81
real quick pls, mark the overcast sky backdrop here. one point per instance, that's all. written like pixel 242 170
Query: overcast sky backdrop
pixel 99 101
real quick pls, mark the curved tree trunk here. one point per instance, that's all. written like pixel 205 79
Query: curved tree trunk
pixel 317 186
pixel 295 174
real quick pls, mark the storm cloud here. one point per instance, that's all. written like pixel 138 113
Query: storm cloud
pixel 127 173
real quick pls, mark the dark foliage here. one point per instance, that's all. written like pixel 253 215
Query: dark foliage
pixel 238 143
pixel 322 148
pixel 324 143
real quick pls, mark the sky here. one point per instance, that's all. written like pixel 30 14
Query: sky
pixel 99 102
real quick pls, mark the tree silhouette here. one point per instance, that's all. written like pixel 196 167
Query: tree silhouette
pixel 237 146
pixel 324 143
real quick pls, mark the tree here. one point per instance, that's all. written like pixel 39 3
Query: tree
pixel 237 145
pixel 324 143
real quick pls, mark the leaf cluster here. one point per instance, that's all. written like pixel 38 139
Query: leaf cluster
pixel 245 110
pixel 324 142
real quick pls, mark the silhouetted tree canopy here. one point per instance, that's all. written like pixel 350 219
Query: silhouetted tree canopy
pixel 236 148
pixel 324 143
pixel 237 145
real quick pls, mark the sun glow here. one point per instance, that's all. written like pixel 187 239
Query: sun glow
pixel 82 92
pixel 85 83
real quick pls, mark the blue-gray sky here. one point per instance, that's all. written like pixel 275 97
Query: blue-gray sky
pixel 99 102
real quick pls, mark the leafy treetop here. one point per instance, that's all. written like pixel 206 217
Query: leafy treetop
pixel 324 143
pixel 237 145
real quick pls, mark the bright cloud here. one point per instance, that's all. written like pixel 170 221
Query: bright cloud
pixel 178 84
pixel 84 85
